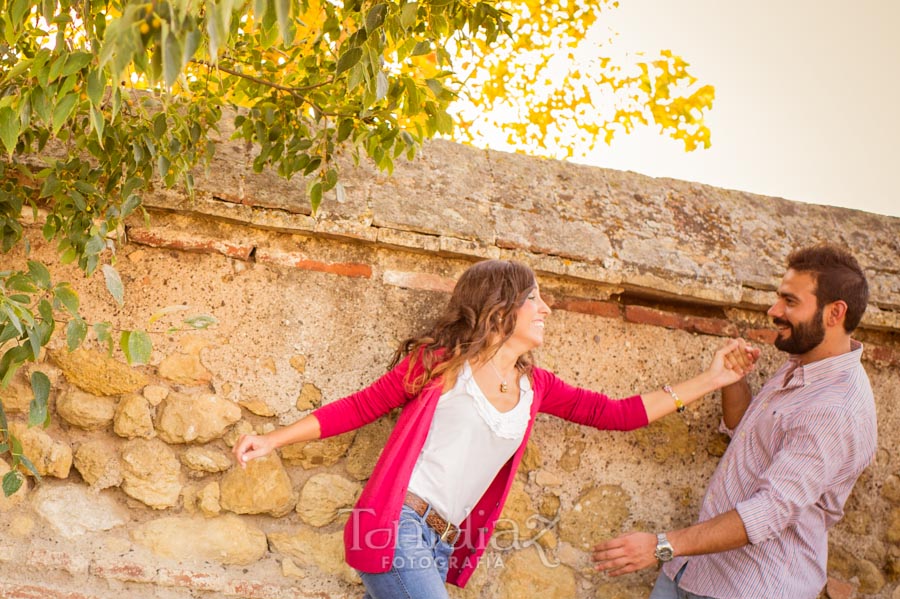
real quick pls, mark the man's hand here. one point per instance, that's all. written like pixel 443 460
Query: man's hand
pixel 743 358
pixel 625 554
pixel 734 360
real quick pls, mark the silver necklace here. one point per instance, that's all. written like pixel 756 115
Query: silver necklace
pixel 504 386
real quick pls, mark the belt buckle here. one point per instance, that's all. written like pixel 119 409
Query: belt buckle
pixel 446 533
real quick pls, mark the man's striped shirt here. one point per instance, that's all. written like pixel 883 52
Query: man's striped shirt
pixel 791 464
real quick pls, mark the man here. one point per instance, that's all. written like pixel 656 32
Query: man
pixel 797 449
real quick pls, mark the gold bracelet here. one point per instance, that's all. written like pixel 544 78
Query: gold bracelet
pixel 679 405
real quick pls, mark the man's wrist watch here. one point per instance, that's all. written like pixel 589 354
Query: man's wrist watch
pixel 664 551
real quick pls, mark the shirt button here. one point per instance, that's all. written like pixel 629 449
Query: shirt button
pixel 743 433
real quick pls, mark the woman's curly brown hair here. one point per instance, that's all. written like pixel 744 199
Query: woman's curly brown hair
pixel 479 318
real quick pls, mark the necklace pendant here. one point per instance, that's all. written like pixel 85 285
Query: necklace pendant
pixel 504 387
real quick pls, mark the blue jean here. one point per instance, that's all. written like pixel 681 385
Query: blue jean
pixel 666 588
pixel 419 569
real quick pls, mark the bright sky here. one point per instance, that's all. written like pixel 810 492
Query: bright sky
pixel 807 97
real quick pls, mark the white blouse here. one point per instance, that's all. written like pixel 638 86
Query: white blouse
pixel 468 442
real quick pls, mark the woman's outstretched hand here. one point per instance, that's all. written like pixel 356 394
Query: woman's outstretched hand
pixel 249 447
pixel 733 361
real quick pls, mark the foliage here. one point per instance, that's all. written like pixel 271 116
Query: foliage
pixel 100 102
pixel 554 88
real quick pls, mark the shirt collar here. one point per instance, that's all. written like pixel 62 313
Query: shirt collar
pixel 796 375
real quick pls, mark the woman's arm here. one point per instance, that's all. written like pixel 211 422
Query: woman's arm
pixel 730 364
pixel 340 416
pixel 249 447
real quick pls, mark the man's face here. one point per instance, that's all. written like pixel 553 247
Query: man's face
pixel 797 315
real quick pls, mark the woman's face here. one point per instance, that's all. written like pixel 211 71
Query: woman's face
pixel 529 331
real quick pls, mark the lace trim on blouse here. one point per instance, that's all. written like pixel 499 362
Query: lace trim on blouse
pixel 508 425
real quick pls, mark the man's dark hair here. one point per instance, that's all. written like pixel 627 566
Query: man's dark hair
pixel 838 276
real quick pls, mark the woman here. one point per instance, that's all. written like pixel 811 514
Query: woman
pixel 469 394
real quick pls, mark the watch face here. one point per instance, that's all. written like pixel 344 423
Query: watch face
pixel 664 554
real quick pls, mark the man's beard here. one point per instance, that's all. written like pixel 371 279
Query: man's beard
pixel 805 336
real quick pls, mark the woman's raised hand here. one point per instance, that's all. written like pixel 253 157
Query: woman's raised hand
pixel 733 361
pixel 249 447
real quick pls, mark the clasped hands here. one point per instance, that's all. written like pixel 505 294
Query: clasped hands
pixel 635 551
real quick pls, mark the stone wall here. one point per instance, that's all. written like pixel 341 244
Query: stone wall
pixel 645 277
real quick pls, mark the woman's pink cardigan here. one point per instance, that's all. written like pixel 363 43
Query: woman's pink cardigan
pixel 370 531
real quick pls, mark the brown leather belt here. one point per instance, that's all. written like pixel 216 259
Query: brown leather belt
pixel 448 532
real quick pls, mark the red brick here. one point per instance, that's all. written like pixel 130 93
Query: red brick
pixel 651 316
pixel 295 260
pixel 587 306
pixel 418 280
pixel 187 578
pixel 176 240
pixel 761 335
pixel 251 589
pixel 347 269
pixel 881 354
pixel 125 571
pixel 43 559
pixel 14 591
pixel 710 326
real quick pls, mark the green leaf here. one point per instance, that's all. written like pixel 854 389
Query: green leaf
pixel 34 342
pixel 159 124
pixel 18 10
pixel 14 319
pixel 95 87
pixel 98 123
pixel 331 177
pixel 348 59
pixel 4 428
pixel 21 66
pixel 68 256
pixel 39 274
pixel 75 62
pixel 375 17
pixel 132 202
pixel 381 85
pixel 285 26
pixel 19 282
pixel 408 14
pixel 259 8
pixel 101 330
pixel 66 296
pixel 10 362
pixel 95 245
pixel 8 332
pixel 12 480
pixel 201 321
pixel 62 111
pixel 191 43
pixel 37 412
pixel 421 48
pixel 165 311
pixel 345 128
pixel 136 345
pixel 9 128
pixel 76 331
pixel 435 86
pixel 27 463
pixel 172 53
pixel 315 196
pixel 114 283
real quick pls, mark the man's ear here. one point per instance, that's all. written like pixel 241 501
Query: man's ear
pixel 835 313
